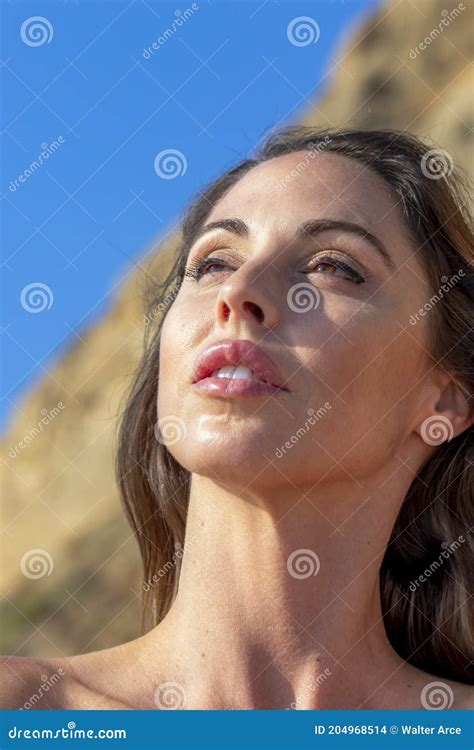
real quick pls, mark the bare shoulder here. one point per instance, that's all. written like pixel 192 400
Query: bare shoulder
pixel 463 695
pixel 441 693
pixel 410 687
pixel 76 682
pixel 27 683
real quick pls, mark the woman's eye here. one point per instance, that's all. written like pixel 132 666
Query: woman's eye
pixel 327 265
pixel 202 266
pixel 336 267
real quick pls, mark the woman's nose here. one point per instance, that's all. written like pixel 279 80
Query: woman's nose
pixel 241 299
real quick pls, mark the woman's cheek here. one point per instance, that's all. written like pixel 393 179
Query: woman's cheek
pixel 169 356
pixel 363 361
pixel 183 333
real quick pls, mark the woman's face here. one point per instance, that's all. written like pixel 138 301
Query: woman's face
pixel 331 305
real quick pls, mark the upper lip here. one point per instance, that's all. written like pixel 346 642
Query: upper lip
pixel 237 352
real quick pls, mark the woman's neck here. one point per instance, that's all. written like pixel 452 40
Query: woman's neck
pixel 278 603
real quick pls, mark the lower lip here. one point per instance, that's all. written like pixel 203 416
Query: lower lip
pixel 235 388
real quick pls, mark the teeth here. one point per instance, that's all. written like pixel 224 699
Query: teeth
pixel 235 373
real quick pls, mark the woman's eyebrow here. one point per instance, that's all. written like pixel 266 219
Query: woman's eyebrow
pixel 236 226
pixel 315 226
pixel 309 228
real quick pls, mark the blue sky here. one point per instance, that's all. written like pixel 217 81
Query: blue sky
pixel 88 97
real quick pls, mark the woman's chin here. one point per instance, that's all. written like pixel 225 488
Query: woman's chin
pixel 224 457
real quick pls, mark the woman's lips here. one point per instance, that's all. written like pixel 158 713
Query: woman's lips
pixel 237 352
pixel 230 388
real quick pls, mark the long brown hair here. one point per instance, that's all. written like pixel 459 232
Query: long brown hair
pixel 424 577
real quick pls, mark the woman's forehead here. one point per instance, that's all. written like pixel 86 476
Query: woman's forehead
pixel 280 194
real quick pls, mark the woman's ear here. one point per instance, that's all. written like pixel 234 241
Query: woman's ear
pixel 451 415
